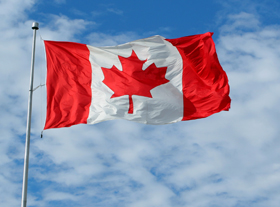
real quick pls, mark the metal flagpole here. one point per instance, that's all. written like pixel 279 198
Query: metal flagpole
pixel 35 26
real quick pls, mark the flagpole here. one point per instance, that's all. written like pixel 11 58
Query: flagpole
pixel 35 26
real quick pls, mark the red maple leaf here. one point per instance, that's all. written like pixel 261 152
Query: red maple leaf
pixel 132 80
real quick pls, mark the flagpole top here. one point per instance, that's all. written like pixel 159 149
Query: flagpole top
pixel 35 25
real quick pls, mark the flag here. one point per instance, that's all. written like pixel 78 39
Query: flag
pixel 152 81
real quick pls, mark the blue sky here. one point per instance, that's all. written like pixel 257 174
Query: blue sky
pixel 230 159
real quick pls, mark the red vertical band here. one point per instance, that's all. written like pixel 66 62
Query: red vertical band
pixel 68 84
pixel 130 110
pixel 205 83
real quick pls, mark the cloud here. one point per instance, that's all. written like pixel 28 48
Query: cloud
pixel 115 11
pixel 13 10
pixel 240 22
pixel 59 24
pixel 15 55
pixel 106 9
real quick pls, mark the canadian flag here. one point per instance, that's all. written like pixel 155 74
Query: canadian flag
pixel 151 81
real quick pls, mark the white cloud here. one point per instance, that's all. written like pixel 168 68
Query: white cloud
pixel 12 11
pixel 240 22
pixel 115 11
pixel 61 28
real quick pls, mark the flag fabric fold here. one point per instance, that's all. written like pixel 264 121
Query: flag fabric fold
pixel 152 81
